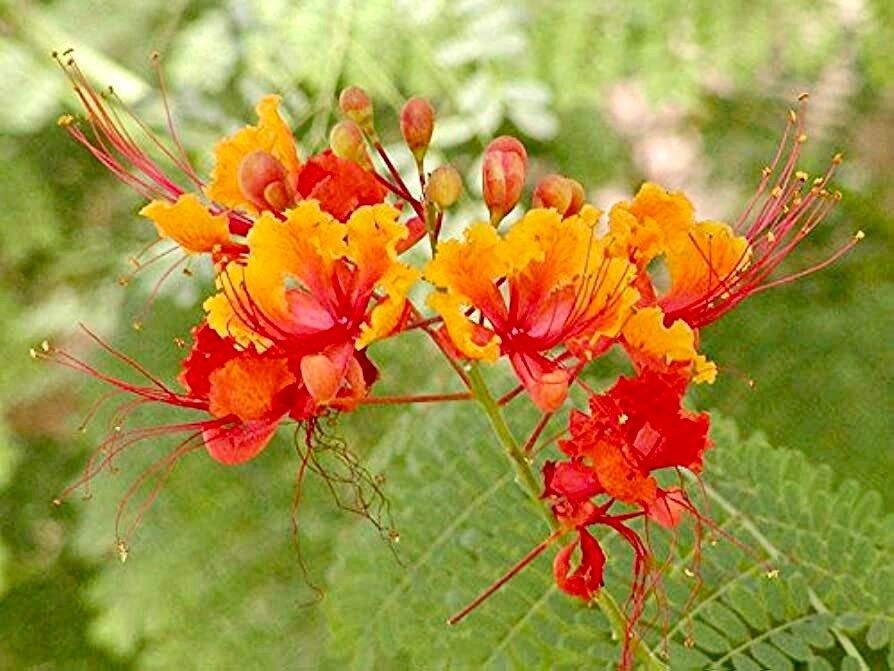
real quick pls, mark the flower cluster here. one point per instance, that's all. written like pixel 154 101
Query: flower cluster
pixel 311 270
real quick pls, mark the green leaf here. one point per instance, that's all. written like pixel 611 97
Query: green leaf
pixel 463 523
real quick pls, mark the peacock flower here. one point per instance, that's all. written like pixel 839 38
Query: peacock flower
pixel 320 290
pixel 635 428
pixel 714 266
pixel 549 282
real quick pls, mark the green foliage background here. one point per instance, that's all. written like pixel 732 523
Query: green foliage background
pixel 611 93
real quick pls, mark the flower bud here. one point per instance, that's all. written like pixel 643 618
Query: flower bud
pixel 346 141
pixel 444 186
pixel 503 176
pixel 417 122
pixel 564 195
pixel 262 180
pixel 553 191
pixel 355 104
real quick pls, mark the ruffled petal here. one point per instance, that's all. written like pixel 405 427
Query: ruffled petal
pixel 189 223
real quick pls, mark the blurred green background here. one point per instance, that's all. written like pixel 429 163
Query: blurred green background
pixel 692 95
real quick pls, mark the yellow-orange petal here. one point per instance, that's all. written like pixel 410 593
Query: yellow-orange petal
pixel 225 310
pixel 270 135
pixel 188 223
pixel 246 387
pixel 462 331
pixel 650 223
pixel 385 316
pixel 373 233
pixel 646 333
pixel 547 252
pixel 704 261
pixel 466 267
pixel 304 246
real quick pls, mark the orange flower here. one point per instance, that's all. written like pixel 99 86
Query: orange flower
pixel 549 282
pixel 317 289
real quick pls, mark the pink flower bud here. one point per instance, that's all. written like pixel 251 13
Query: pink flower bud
pixel 355 104
pixel 444 186
pixel 503 175
pixel 262 180
pixel 564 195
pixel 417 122
pixel 346 141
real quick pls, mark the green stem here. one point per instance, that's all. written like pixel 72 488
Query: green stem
pixel 526 479
pixel 524 476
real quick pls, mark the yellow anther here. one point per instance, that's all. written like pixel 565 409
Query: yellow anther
pixel 802 138
pixel 123 281
pixel 688 573
pixel 838 158
pixel 801 175
pixel 859 235
pixel 776 192
pixel 122 550
pixel 803 96
pixel 65 121
pixel 45 346
pixel 772 574
pixel 137 325
pixel 792 116
pixel 180 342
pixel 32 353
pixel 767 171
pixel 622 418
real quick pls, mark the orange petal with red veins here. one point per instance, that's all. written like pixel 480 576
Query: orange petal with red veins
pixel 545 381
pixel 669 507
pixel 247 387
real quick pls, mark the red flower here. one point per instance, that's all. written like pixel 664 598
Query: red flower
pixel 635 428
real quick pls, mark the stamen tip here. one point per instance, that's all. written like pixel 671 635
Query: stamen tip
pixel 155 56
pixel 838 158
pixel 772 574
pixel 803 96
pixel 802 138
pixel 32 353
pixel 45 346
pixel 65 121
pixel 859 235
pixel 137 325
pixel 122 549
pixel 57 502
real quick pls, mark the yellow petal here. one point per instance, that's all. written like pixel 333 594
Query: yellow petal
pixel 461 330
pixel 227 310
pixel 188 223
pixel 650 223
pixel 386 315
pixel 646 333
